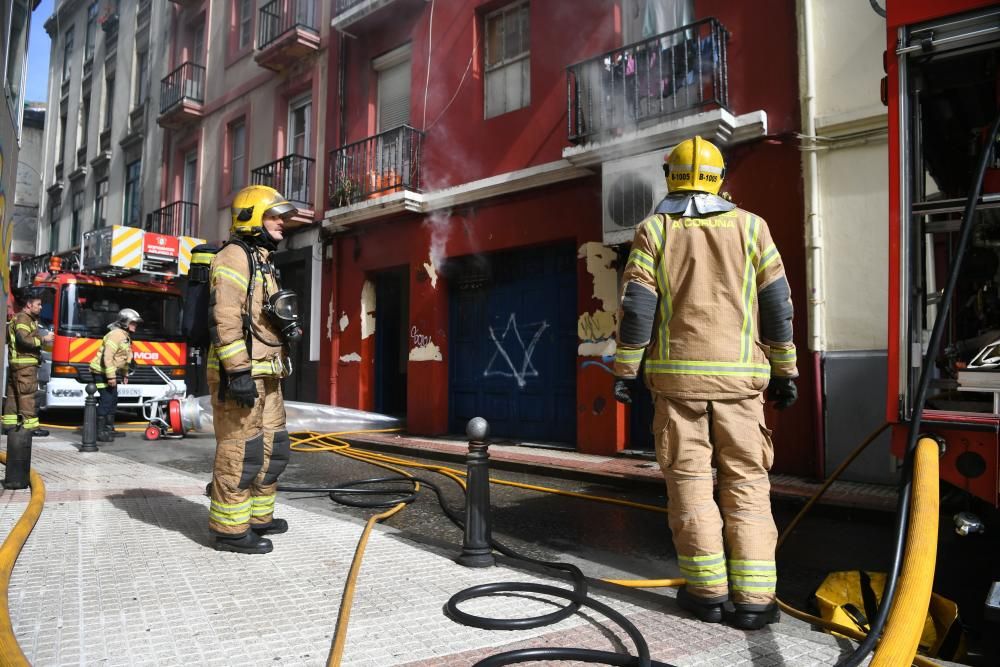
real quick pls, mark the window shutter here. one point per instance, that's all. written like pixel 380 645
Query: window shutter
pixel 394 96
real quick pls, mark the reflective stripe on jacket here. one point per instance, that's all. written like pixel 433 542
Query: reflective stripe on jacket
pixel 229 281
pixel 705 274
pixel 114 355
pixel 24 340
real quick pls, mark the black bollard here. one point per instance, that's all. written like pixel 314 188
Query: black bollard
pixel 18 458
pixel 476 549
pixel 89 442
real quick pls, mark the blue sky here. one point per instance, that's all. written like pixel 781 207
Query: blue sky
pixel 38 54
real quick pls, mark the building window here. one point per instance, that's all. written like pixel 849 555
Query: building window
pixel 54 228
pixel 109 100
pixel 67 66
pixel 84 121
pixel 14 56
pixel 508 60
pixel 141 77
pixel 62 135
pixel 91 31
pixel 133 194
pixel 244 23
pixel 77 203
pixel 100 203
pixel 394 74
pixel 237 133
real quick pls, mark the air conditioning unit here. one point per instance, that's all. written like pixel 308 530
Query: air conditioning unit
pixel 630 189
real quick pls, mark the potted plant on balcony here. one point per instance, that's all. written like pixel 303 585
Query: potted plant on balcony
pixel 108 20
pixel 345 192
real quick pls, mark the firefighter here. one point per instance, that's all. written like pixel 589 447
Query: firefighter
pixel 706 303
pixel 24 354
pixel 251 323
pixel 110 366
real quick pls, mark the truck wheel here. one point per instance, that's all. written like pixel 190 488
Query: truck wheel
pixel 152 433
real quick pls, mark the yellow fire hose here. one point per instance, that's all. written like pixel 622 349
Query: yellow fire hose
pixel 10 650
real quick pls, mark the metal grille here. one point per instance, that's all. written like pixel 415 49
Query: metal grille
pixel 386 162
pixel 185 82
pixel 280 16
pixel 177 219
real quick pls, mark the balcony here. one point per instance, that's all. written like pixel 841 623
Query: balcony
pixel 378 166
pixel 177 219
pixel 293 176
pixel 182 93
pixel 286 32
pixel 349 12
pixel 647 84
pixel 183 4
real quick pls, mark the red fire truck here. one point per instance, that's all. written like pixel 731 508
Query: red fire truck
pixel 119 267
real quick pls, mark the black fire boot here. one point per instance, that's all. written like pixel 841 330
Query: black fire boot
pixel 275 527
pixel 708 610
pixel 111 426
pixel 247 543
pixel 744 616
pixel 40 432
pixel 104 433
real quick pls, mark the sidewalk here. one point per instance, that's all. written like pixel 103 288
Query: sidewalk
pixel 119 571
pixel 569 464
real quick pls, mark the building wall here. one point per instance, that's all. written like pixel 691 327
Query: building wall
pixel 460 146
pixel 29 183
pixel 134 132
pixel 235 86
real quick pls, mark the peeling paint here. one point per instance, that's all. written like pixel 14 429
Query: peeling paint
pixel 604 348
pixel 329 319
pixel 367 309
pixel 431 273
pixel 352 358
pixel 344 321
pixel 428 352
pixel 601 265
pixel 596 327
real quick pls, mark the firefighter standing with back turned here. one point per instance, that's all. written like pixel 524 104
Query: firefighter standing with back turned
pixel 705 300
pixel 250 323
pixel 110 366
pixel 24 355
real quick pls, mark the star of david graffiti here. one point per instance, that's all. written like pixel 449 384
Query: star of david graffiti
pixel 527 369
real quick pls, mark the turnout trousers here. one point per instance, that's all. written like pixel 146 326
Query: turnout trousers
pixel 252 451
pixel 725 548
pixel 19 403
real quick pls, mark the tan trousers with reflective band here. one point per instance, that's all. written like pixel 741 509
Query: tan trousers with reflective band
pixel 690 437
pixel 233 508
pixel 20 399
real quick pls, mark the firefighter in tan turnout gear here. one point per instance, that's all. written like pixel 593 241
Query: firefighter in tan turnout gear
pixel 110 366
pixel 251 321
pixel 24 354
pixel 706 302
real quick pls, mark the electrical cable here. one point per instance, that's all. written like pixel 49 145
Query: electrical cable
pixel 923 385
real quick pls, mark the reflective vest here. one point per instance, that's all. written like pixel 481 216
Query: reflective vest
pixel 24 342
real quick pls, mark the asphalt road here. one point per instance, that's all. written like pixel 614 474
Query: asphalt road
pixel 610 541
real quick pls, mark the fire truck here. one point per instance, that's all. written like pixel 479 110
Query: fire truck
pixel 118 267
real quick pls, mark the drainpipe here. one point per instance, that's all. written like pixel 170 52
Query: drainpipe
pixel 334 320
pixel 814 221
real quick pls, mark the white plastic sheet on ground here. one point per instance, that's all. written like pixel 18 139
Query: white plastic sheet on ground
pixel 196 413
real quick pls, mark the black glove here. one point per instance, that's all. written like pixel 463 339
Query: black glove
pixel 782 391
pixel 242 389
pixel 623 390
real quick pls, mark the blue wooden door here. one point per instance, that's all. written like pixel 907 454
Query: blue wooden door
pixel 513 345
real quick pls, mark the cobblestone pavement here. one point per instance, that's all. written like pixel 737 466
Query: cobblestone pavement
pixel 119 571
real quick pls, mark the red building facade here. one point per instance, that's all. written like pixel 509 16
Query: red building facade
pixel 478 213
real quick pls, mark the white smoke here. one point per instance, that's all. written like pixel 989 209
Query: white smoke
pixel 440 225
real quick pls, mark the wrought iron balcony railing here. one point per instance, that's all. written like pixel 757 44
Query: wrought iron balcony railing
pixel 344 5
pixel 292 176
pixel 676 72
pixel 384 163
pixel 279 16
pixel 177 219
pixel 187 82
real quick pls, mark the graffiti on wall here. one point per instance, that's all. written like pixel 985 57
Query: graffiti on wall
pixel 501 364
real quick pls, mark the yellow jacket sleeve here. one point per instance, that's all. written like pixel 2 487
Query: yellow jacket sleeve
pixel 639 296
pixel 230 275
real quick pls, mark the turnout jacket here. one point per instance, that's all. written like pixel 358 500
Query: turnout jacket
pixel 114 355
pixel 24 340
pixel 706 302
pixel 227 308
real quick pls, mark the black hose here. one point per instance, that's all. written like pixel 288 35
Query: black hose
pixel 933 346
pixel 878 10
pixel 577 597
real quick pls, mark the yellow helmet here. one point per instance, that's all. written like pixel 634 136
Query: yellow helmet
pixel 252 203
pixel 695 164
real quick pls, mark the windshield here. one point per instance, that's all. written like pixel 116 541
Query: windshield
pixel 87 310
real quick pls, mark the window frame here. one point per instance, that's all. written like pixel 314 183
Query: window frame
pixel 16 50
pixel 133 194
pixel 506 61
pixel 76 214
pixel 90 40
pixel 141 78
pixel 67 63
pixel 101 202
pixel 235 50
pixel 231 158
